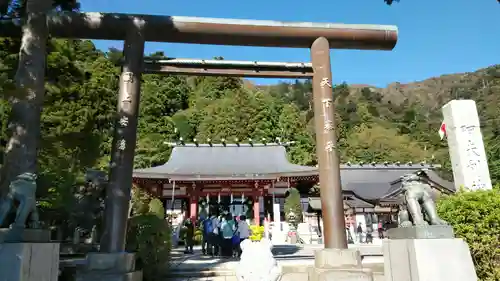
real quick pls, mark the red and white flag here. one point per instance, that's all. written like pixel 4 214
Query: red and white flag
pixel 442 131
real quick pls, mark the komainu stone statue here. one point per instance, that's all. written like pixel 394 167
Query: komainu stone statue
pixel 418 207
pixel 23 191
pixel 257 262
pixel 86 213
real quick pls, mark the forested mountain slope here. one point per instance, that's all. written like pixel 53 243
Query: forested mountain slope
pixel 396 123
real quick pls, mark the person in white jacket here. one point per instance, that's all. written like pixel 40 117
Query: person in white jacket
pixel 244 232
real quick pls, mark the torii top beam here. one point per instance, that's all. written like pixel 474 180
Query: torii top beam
pixel 236 32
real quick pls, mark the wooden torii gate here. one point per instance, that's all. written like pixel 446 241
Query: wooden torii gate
pixel 135 30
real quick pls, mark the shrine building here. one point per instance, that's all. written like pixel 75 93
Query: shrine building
pixel 249 178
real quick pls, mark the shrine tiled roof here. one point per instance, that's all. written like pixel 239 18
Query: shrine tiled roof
pixel 427 175
pixel 374 181
pixel 195 162
pixel 229 162
pixel 349 202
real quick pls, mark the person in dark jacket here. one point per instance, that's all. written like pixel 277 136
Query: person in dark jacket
pixel 369 234
pixel 359 233
pixel 207 244
pixel 189 225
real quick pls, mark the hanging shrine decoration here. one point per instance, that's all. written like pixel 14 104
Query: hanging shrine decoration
pixel 234 206
pixel 208 199
pixel 243 203
pixel 218 198
pixel 249 207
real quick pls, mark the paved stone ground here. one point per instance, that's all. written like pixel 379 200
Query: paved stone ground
pixel 286 255
pixel 217 278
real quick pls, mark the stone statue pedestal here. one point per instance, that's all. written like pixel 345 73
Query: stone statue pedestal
pixel 17 235
pixel 427 232
pixel 29 261
pixel 109 267
pixel 331 265
pixel 432 256
pixel 337 264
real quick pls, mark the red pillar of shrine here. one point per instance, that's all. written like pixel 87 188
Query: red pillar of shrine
pixel 193 199
pixel 256 211
pixel 257 193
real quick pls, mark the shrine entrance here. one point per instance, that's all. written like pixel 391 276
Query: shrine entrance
pixel 234 205
pixel 217 178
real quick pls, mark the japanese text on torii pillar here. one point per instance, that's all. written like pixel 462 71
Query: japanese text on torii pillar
pixel 328 125
pixel 125 101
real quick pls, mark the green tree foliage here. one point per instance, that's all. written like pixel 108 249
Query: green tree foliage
pixel 377 143
pixel 140 201
pixel 475 217
pixel 292 205
pixel 156 208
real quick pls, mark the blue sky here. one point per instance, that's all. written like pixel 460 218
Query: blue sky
pixel 435 36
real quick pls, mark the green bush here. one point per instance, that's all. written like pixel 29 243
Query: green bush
pixel 150 237
pixel 198 237
pixel 475 217
pixel 156 207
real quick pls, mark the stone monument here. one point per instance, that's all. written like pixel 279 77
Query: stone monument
pixel 423 247
pixel 102 266
pixel 87 210
pixel 465 143
pixel 257 262
pixel 26 252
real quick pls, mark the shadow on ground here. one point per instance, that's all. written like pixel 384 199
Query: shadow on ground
pixel 281 250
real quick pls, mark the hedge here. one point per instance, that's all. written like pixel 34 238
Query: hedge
pixel 149 235
pixel 475 217
pixel 151 238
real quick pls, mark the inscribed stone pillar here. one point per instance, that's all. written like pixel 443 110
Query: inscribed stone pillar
pixel 465 142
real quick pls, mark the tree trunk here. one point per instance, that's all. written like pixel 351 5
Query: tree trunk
pixel 21 150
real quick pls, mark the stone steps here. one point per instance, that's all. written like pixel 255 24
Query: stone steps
pixel 377 269
pixel 212 272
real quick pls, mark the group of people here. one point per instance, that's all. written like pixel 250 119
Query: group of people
pixel 223 235
pixel 368 235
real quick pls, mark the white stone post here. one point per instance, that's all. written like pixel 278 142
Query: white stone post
pixel 465 143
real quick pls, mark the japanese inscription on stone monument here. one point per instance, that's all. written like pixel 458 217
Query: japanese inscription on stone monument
pixel 475 157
